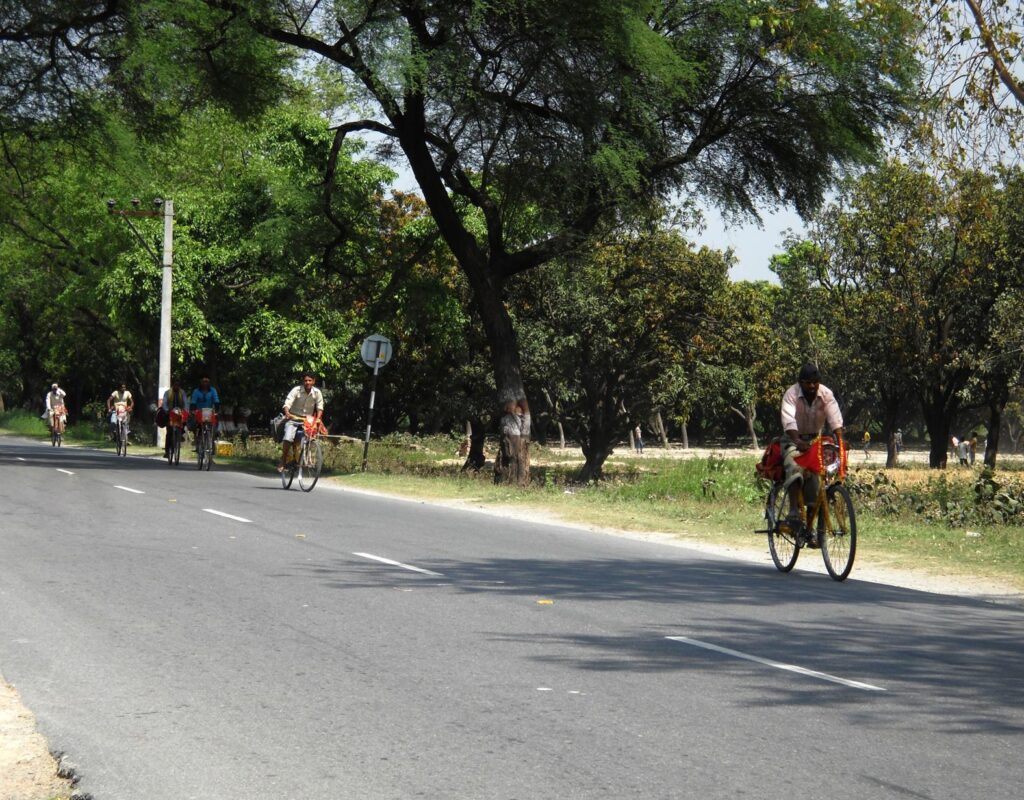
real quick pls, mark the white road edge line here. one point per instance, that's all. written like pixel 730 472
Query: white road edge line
pixel 129 489
pixel 398 564
pixel 225 514
pixel 777 664
pixel 65 471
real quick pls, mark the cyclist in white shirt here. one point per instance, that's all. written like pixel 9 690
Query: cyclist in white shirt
pixel 305 400
pixel 54 400
pixel 119 396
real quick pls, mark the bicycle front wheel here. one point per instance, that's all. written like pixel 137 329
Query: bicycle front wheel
pixel 200 449
pixel 782 538
pixel 839 533
pixel 208 445
pixel 122 439
pixel 288 475
pixel 310 463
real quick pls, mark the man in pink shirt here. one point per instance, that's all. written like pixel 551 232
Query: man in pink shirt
pixel 807 407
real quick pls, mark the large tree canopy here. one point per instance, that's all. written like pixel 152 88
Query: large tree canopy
pixel 529 125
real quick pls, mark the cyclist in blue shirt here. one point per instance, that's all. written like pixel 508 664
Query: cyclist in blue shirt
pixel 203 396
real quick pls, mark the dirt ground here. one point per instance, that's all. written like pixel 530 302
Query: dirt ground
pixel 28 771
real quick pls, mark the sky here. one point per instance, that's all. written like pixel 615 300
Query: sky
pixel 753 246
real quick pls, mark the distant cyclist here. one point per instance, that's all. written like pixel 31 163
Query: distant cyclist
pixel 55 403
pixel 205 396
pixel 305 400
pixel 174 398
pixel 120 396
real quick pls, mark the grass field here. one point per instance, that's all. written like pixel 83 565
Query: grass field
pixel 955 522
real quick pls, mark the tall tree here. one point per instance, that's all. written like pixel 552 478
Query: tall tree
pixel 617 331
pixel 523 104
pixel 916 264
pixel 530 104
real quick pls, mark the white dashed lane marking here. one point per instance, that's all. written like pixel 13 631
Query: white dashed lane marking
pixel 225 514
pixel 810 673
pixel 65 471
pixel 129 489
pixel 398 564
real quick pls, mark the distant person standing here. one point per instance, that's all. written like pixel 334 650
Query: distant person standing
pixel 867 443
pixel 638 440
pixel 963 448
pixel 973 446
pixel 954 448
pixel 898 440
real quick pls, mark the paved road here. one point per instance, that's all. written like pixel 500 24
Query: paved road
pixel 175 653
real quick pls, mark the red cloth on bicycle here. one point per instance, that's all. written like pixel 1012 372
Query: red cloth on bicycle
pixel 814 459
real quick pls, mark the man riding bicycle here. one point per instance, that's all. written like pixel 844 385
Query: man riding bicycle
pixel 205 396
pixel 305 400
pixel 55 403
pixel 120 396
pixel 173 398
pixel 807 406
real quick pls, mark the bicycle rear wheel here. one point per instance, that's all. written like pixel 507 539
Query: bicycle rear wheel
pixel 310 464
pixel 839 534
pixel 782 539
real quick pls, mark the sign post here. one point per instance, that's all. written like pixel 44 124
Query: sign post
pixel 376 353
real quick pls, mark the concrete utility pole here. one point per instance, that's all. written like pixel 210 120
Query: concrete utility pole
pixel 165 209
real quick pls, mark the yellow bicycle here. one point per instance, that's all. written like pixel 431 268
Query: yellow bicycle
pixel 828 521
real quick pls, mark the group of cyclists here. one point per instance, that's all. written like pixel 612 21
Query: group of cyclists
pixel 304 402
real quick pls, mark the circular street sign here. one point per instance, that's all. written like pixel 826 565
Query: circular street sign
pixel 376 350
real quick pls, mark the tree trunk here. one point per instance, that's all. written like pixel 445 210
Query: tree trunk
pixel 995 422
pixel 557 417
pixel 486 279
pixel 748 415
pixel 661 430
pixel 686 437
pixel 512 464
pixel 938 425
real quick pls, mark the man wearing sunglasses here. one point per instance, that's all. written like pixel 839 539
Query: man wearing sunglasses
pixel 807 407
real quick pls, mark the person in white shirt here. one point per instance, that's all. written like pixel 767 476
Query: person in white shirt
pixel 305 400
pixel 807 407
pixel 119 397
pixel 55 400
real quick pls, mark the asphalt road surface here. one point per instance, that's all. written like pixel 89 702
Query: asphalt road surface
pixel 208 635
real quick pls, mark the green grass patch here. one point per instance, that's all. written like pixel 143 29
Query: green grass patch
pixel 24 423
